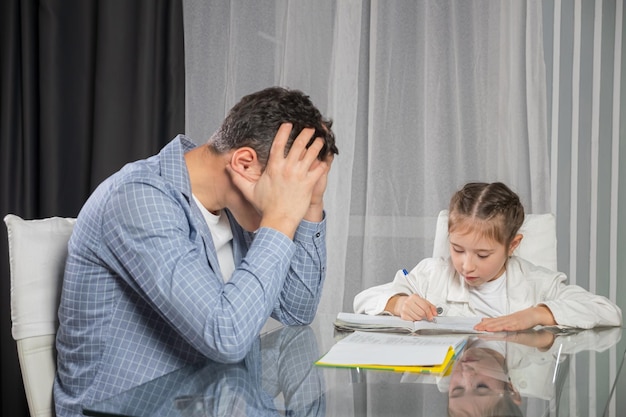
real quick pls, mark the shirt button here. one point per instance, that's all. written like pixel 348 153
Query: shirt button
pixel 317 234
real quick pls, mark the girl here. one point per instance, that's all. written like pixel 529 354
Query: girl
pixel 482 278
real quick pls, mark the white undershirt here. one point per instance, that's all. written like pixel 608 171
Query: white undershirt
pixel 490 298
pixel 222 239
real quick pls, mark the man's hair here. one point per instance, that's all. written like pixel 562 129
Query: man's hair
pixel 255 120
pixel 492 210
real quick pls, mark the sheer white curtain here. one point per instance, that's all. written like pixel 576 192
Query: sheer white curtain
pixel 425 96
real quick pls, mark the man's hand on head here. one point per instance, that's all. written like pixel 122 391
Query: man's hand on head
pixel 291 186
pixel 315 213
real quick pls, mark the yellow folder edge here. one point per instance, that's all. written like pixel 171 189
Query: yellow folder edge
pixel 434 369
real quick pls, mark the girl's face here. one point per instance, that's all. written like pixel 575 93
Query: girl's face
pixel 478 259
pixel 477 382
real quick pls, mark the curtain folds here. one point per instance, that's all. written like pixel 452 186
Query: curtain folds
pixel 86 87
pixel 425 96
pixel 450 101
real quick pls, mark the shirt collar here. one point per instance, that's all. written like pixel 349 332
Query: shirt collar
pixel 173 166
pixel 457 290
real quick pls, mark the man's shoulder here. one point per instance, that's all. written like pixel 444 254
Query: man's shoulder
pixel 165 169
pixel 140 189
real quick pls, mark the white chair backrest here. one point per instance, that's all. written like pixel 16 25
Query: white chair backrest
pixel 538 245
pixel 37 254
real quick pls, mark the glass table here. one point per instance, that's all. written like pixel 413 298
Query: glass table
pixel 538 373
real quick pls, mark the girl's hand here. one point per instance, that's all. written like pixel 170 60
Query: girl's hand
pixel 521 320
pixel 411 307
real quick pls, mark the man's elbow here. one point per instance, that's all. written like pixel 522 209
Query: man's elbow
pixel 231 352
pixel 229 348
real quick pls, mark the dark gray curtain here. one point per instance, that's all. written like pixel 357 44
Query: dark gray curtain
pixel 86 86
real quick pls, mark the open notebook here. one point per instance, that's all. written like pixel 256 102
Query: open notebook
pixel 394 324
pixel 427 354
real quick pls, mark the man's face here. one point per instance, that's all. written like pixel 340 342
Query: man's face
pixel 245 213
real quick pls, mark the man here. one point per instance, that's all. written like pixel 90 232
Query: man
pixel 186 254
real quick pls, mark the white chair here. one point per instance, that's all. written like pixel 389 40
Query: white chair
pixel 37 253
pixel 538 245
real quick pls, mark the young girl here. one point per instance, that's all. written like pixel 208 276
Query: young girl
pixel 482 277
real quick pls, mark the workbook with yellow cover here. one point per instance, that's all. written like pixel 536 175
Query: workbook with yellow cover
pixel 385 351
pixel 394 324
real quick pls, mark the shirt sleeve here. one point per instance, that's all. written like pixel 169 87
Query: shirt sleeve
pixel 302 289
pixel 573 306
pixel 374 300
pixel 151 242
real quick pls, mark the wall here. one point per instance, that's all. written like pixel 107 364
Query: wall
pixel 585 61
pixel 583 47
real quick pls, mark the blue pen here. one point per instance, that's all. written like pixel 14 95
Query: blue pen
pixel 406 275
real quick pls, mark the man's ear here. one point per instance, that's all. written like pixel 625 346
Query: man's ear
pixel 515 243
pixel 244 161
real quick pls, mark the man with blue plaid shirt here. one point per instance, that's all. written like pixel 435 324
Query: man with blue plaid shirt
pixel 185 255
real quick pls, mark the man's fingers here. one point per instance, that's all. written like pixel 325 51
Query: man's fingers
pixel 318 169
pixel 298 147
pixel 277 151
pixel 298 151
pixel 313 151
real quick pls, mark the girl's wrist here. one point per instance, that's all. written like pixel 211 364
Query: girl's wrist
pixel 545 315
pixel 394 303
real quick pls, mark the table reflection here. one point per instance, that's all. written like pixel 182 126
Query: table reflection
pixel 536 363
pixel 514 374
pixel 479 384
pixel 534 373
pixel 275 378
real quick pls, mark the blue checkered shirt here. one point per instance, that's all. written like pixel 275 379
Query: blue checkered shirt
pixel 143 293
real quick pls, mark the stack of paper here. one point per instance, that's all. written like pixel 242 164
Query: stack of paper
pixel 394 324
pixel 430 354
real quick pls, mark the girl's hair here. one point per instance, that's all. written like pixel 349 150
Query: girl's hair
pixel 491 210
